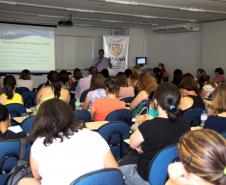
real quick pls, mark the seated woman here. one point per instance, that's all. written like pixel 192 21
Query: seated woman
pixel 53 89
pixel 5 130
pixel 97 90
pixel 103 106
pixel 217 122
pixel 125 90
pixel 164 73
pixel 62 147
pixel 206 87
pixel 9 95
pixel 145 87
pixel 190 96
pixel 152 135
pixel 202 159
pixel 64 79
pixel 25 80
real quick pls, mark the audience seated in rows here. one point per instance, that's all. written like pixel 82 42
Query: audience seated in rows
pixel 125 90
pixel 103 106
pixel 217 121
pixel 97 90
pixel 202 156
pixel 153 135
pixel 53 89
pixel 146 87
pixel 9 95
pixel 25 80
pixel 84 83
pixel 5 132
pixel 63 149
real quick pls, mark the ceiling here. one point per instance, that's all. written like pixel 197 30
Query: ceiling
pixel 113 13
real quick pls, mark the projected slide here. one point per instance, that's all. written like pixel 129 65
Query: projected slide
pixel 26 47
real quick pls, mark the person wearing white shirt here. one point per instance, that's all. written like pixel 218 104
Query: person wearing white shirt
pixel 25 80
pixel 102 62
pixel 63 149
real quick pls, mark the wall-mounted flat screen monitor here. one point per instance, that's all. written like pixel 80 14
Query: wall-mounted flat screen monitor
pixel 141 61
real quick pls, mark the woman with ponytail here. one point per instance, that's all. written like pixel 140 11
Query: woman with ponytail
pixel 52 89
pixel 153 135
pixel 10 96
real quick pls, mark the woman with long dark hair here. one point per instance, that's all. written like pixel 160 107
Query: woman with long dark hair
pixel 9 95
pixel 152 135
pixel 63 149
pixel 52 89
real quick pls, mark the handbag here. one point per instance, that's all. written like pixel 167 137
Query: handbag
pixel 22 168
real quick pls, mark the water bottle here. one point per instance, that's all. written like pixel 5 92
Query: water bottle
pixel 203 118
pixel 153 112
pixel 77 105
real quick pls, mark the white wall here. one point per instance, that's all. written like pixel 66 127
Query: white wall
pixel 179 50
pixel 174 50
pixel 214 46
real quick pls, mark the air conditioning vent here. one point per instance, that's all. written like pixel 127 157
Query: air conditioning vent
pixel 178 28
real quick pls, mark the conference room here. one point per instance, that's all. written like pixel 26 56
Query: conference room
pixel 108 92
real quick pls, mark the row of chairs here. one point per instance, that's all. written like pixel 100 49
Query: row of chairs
pixel 157 170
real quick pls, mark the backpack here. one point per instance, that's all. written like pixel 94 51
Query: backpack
pixel 22 168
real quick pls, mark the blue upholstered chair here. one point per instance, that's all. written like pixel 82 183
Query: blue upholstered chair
pixel 124 115
pixel 224 134
pixel 158 168
pixel 83 95
pixel 26 125
pixel 192 116
pixel 108 176
pixel 127 99
pixel 9 155
pixel 83 115
pixel 16 109
pixel 29 99
pixel 114 133
pixel 21 90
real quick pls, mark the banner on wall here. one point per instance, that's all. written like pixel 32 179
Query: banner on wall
pixel 116 48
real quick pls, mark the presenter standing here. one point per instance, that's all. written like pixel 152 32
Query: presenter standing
pixel 102 62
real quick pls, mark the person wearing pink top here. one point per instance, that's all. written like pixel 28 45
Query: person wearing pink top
pixel 219 76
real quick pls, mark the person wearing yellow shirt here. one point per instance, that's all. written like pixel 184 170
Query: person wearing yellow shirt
pixel 10 96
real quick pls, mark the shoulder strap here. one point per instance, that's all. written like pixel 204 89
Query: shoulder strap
pixel 23 143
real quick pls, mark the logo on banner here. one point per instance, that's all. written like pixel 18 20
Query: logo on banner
pixel 116 49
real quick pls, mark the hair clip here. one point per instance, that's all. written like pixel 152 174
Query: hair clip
pixel 172 107
pixel 225 171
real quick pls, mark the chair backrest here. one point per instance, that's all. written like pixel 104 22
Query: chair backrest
pixel 9 155
pixel 124 115
pixel 83 95
pixel 192 116
pixel 107 176
pixel 26 125
pixel 29 99
pixel 158 168
pixel 83 115
pixel 21 90
pixel 114 133
pixel 16 109
pixel 224 134
pixel 127 99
